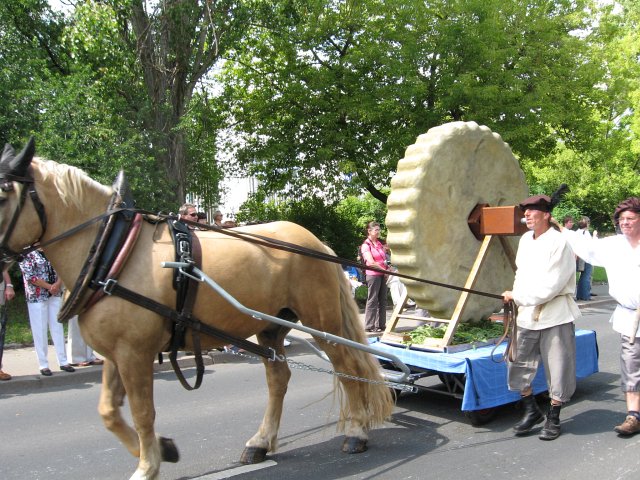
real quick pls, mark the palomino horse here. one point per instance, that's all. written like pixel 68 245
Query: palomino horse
pixel 272 281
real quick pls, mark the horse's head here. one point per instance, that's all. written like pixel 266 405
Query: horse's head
pixel 21 222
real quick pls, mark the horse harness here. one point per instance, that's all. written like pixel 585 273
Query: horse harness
pixel 120 242
pixel 114 242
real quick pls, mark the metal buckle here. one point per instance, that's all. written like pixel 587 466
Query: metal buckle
pixel 183 246
pixel 108 286
pixel 274 357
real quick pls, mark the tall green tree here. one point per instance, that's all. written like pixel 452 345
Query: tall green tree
pixel 176 43
pixel 606 169
pixel 30 53
pixel 326 95
pixel 130 89
pixel 166 48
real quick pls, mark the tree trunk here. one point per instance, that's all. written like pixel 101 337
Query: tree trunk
pixel 176 47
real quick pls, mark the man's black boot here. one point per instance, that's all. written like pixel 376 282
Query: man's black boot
pixel 551 429
pixel 532 416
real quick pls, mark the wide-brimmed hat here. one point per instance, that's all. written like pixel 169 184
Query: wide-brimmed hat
pixel 537 202
pixel 544 203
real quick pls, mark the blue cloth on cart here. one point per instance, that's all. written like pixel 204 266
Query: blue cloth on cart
pixel 486 377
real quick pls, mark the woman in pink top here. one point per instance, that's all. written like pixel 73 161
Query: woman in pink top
pixel 373 254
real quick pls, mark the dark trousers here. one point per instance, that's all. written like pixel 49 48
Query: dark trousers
pixel 583 289
pixel 375 313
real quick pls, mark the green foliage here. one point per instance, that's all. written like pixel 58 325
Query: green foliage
pixel 470 333
pixel 323 91
pixel 111 86
pixel 362 210
pixel 25 25
pixel 323 220
pixel 341 225
pixel 361 295
pixel 18 327
pixel 598 179
pixel 599 275
pixel 258 208
pixel 319 98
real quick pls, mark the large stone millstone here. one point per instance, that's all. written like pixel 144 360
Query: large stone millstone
pixel 443 176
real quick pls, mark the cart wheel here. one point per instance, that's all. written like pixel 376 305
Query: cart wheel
pixel 480 417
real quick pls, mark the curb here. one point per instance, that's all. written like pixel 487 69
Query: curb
pixel 21 384
pixel 594 303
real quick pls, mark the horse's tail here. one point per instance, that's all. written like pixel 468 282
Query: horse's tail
pixel 375 398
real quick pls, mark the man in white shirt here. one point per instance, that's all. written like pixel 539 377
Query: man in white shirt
pixel 543 290
pixel 620 256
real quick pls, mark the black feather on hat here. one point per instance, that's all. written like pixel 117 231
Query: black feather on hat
pixel 544 202
pixel 558 195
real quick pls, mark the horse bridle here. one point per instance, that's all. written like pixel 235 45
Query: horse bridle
pixel 28 187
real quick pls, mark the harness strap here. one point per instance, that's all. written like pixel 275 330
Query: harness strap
pixel 37 204
pixel 308 252
pixel 120 259
pixel 185 306
pixel 112 287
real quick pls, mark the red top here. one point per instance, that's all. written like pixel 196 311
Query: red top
pixel 373 254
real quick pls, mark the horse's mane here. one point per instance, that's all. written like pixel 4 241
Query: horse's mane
pixel 73 185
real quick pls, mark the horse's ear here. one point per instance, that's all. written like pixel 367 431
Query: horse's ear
pixel 8 153
pixel 18 165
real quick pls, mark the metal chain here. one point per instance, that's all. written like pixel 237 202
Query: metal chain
pixel 303 366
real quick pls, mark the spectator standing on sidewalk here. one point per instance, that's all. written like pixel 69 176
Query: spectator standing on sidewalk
pixel 620 256
pixel 567 221
pixel 43 291
pixel 374 255
pixel 79 353
pixel 583 290
pixel 6 294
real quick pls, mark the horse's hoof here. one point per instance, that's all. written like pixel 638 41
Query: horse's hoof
pixel 168 450
pixel 354 445
pixel 252 455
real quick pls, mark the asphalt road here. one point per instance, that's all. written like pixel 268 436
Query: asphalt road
pixel 57 433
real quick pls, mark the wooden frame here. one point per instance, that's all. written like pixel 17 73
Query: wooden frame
pixel 443 344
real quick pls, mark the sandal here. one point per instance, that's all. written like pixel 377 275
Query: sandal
pixel 46 372
pixel 67 368
pixel 97 361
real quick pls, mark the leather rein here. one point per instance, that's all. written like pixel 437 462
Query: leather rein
pixel 185 320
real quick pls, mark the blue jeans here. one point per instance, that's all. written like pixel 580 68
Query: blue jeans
pixel 583 289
